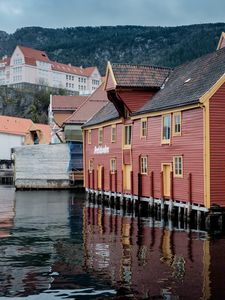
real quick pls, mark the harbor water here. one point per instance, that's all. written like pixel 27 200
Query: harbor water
pixel 60 245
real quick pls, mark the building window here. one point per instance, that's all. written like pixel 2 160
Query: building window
pixel 177 123
pixel 100 135
pixel 89 137
pixel 178 166
pixel 144 128
pixel 144 165
pixel 112 165
pixel 91 165
pixel 127 135
pixel 166 128
pixel 113 133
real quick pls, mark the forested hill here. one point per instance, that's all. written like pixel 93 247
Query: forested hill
pixel 163 46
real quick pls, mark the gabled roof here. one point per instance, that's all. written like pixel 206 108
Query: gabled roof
pixel 32 55
pixel 67 102
pixel 221 43
pixel 188 82
pixel 105 114
pixel 15 126
pixel 137 76
pixel 89 70
pixel 87 109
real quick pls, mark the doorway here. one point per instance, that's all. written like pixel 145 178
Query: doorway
pixel 126 177
pixel 99 170
pixel 166 168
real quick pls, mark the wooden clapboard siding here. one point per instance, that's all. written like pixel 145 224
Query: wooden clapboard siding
pixel 135 99
pixel 189 145
pixel 115 151
pixel 217 146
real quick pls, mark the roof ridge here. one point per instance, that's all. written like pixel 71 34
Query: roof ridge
pixel 81 105
pixel 142 65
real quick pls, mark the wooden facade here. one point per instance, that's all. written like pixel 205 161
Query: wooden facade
pixel 185 163
pixel 125 178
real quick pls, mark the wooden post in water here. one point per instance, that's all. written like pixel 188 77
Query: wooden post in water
pixel 110 187
pixel 171 206
pixel 88 179
pixel 121 197
pixel 115 187
pixel 139 189
pixel 132 189
pixel 199 218
pixel 151 202
pixel 189 206
pixel 162 195
pixel 93 179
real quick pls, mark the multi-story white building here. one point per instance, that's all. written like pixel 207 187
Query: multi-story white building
pixel 32 66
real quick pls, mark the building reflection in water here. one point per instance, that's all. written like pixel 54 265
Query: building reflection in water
pixel 145 258
pixel 58 242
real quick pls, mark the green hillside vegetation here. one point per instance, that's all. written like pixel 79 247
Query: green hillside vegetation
pixel 88 46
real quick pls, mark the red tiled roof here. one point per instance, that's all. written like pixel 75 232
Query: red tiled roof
pixel 88 71
pixel 33 55
pixel 139 76
pixel 15 126
pixel 72 69
pixel 90 107
pixel 67 102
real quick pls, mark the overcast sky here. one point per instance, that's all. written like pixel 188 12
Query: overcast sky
pixel 69 13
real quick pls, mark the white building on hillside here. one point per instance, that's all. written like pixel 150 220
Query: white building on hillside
pixel 32 66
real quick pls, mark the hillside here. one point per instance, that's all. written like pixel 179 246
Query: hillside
pixel 162 46
pixel 167 46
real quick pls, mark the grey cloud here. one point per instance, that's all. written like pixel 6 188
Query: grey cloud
pixel 69 13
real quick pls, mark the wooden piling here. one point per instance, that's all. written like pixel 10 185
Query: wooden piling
pixel 115 176
pixel 190 187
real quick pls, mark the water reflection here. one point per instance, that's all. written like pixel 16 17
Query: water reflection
pixel 56 245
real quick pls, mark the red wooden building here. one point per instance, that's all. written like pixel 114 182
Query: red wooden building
pixel 161 137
